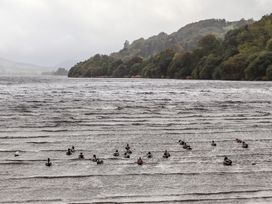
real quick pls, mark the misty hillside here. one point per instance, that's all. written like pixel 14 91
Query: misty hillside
pixel 185 39
pixel 11 67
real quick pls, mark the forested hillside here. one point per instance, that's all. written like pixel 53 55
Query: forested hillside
pixel 185 39
pixel 244 54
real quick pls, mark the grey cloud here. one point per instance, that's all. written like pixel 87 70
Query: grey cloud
pixel 47 32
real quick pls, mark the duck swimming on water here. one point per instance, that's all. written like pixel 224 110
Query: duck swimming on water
pixel 213 144
pixel 245 145
pixel 140 161
pixel 129 151
pixel 17 154
pixel 227 161
pixel 48 163
pixel 166 154
pixel 81 156
pixel 238 140
pixel 181 142
pixel 189 147
pixel 127 147
pixel 94 159
pixel 126 155
pixel 116 153
pixel 73 149
pixel 69 152
pixel 149 155
pixel 99 161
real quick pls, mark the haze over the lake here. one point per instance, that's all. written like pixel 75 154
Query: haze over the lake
pixel 49 32
pixel 182 116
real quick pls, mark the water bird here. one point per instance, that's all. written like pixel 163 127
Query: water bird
pixel 184 145
pixel 81 156
pixel 127 147
pixel 245 145
pixel 181 142
pixel 48 163
pixel 73 149
pixel 238 140
pixel 116 153
pixel 126 155
pixel 149 155
pixel 69 152
pixel 166 154
pixel 189 147
pixel 129 151
pixel 17 154
pixel 227 162
pixel 213 144
pixel 94 159
pixel 140 161
pixel 99 161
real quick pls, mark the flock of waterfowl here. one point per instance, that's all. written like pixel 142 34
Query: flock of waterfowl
pixel 128 152
pixel 226 161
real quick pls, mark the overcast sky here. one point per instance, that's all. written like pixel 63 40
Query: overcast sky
pixel 49 32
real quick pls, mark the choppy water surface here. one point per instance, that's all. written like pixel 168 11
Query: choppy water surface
pixel 42 117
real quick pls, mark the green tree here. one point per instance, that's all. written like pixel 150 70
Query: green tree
pixel 233 68
pixel 135 69
pixel 269 73
pixel 269 45
pixel 206 67
pixel 256 70
pixel 150 71
pixel 121 71
pixel 208 43
pixel 181 66
pixel 163 60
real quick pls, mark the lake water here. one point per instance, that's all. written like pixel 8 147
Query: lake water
pixel 43 116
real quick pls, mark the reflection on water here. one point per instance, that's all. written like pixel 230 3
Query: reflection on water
pixel 42 117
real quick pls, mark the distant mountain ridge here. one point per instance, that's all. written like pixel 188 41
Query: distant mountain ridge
pixel 12 67
pixel 185 39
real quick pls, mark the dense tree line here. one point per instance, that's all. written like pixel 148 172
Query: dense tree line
pixel 244 54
